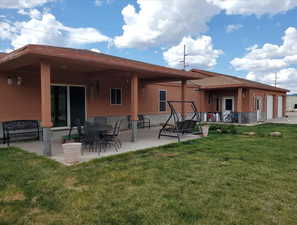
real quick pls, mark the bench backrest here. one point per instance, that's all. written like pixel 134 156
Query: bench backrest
pixel 20 125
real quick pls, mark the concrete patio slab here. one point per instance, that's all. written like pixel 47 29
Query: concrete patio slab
pixel 147 138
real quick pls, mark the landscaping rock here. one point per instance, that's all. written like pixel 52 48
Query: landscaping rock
pixel 219 131
pixel 276 134
pixel 249 133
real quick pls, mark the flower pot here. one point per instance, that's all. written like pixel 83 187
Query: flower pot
pixel 205 130
pixel 72 152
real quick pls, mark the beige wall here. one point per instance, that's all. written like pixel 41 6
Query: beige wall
pixel 23 102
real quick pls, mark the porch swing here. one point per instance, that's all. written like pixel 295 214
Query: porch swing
pixel 180 125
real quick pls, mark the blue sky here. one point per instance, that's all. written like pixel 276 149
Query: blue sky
pixel 252 39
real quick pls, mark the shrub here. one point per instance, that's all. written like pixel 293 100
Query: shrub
pixel 224 128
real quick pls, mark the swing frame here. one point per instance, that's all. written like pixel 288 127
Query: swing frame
pixel 181 125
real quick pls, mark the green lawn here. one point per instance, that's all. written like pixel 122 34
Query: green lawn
pixel 222 179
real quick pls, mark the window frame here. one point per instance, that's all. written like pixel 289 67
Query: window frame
pixel 110 96
pixel 161 90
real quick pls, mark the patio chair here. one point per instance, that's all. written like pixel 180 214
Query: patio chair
pixel 90 139
pixel 142 122
pixel 80 133
pixel 112 138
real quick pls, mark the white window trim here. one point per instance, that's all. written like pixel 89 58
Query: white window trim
pixel 121 96
pixel 224 103
pixel 68 103
pixel 162 101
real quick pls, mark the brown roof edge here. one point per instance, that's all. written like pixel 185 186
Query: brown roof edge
pixel 45 51
pixel 248 83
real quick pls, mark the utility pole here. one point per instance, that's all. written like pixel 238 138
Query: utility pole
pixel 275 79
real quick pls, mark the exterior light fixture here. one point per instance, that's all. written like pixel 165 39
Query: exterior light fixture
pixel 19 80
pixel 9 80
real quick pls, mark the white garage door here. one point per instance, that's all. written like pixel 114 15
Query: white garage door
pixel 269 107
pixel 280 107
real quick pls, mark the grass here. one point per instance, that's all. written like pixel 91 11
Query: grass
pixel 222 179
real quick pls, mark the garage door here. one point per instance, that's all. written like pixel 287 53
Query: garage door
pixel 269 107
pixel 280 107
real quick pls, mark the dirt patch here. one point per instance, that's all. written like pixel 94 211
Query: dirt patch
pixel 15 196
pixel 71 183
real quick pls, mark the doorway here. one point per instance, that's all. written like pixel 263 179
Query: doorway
pixel 228 108
pixel 258 107
pixel 68 104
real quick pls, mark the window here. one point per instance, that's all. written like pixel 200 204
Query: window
pixel 162 101
pixel 228 104
pixel 295 106
pixel 115 96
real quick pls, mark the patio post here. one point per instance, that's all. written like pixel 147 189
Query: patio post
pixel 46 118
pixel 183 97
pixel 202 105
pixel 134 107
pixel 239 104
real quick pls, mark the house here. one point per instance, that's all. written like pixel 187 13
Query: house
pixel 250 101
pixel 291 103
pixel 58 85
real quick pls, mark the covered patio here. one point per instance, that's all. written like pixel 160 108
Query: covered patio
pixel 39 67
pixel 148 138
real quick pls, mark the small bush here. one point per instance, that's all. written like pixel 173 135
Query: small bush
pixel 224 128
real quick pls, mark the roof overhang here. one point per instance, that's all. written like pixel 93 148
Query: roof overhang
pixel 86 61
pixel 243 82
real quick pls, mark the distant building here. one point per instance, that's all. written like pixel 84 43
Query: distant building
pixel 291 103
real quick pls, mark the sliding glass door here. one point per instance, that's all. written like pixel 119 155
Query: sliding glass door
pixel 59 106
pixel 68 105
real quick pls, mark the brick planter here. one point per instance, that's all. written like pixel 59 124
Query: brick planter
pixel 72 152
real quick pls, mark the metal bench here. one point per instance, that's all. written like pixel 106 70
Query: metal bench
pixel 20 130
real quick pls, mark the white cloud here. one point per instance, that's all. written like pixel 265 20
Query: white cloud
pixel 257 7
pixel 20 4
pixel 46 29
pixel 167 21
pixel 263 62
pixel 201 53
pixel 95 50
pixel 163 21
pixel 98 2
pixel 233 27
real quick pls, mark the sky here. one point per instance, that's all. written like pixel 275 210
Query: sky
pixel 252 39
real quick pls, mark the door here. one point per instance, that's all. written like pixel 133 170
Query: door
pixel 280 107
pixel 228 108
pixel 59 101
pixel 269 107
pixel 77 103
pixel 258 108
pixel 68 104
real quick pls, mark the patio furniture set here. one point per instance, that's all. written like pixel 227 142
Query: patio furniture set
pixel 96 136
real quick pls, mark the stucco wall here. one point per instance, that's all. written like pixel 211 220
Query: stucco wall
pixel 291 102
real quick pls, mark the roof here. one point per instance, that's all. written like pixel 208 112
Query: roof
pixel 2 54
pixel 219 81
pixel 89 61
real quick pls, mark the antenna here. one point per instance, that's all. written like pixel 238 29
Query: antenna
pixel 184 58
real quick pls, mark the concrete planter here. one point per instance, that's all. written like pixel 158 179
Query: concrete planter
pixel 72 152
pixel 205 129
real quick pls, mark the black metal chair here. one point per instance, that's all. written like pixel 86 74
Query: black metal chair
pixel 112 138
pixel 91 140
pixel 142 122
pixel 80 132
